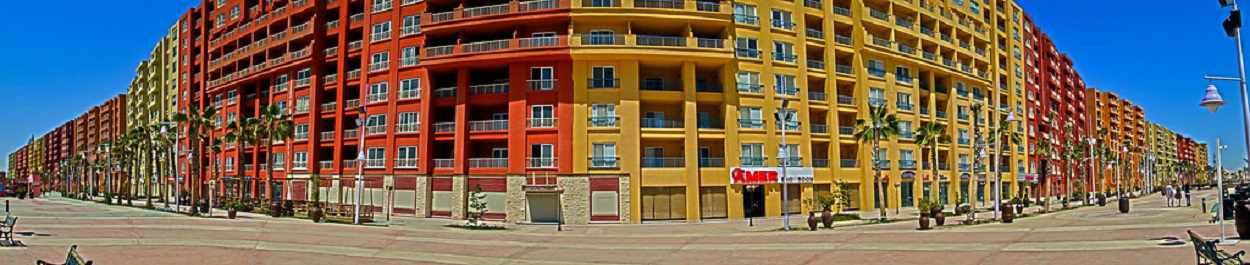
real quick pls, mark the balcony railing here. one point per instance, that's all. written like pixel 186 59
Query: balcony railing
pixel 406 163
pixel 604 162
pixel 326 164
pixel 663 162
pixel 816 95
pixel 542 84
pixel 820 162
pixel 846 100
pixel 444 127
pixel 711 162
pixel 488 125
pixel 657 40
pixel 820 128
pixel 604 122
pixel 444 163
pixel 605 83
pixel 495 88
pixel 751 161
pixel 540 162
pixel 488 162
pixel 661 123
pixel 446 92
pixel 351 134
pixel 846 130
pixel 542 122
pixel 407 127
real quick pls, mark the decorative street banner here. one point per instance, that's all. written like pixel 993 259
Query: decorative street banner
pixel 770 175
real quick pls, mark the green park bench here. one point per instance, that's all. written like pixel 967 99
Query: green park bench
pixel 6 229
pixel 1206 249
pixel 70 259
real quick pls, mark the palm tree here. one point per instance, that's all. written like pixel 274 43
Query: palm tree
pixel 243 133
pixel 277 127
pixel 930 135
pixel 1071 154
pixel 1043 150
pixel 1000 137
pixel 199 124
pixel 879 126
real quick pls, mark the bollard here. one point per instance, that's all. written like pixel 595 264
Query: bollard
pixel 1204 205
pixel 6 206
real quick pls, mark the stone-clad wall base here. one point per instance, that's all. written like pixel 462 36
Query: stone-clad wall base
pixel 421 203
pixel 575 201
pixel 515 198
pixel 461 198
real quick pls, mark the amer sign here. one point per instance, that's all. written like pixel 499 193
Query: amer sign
pixel 769 175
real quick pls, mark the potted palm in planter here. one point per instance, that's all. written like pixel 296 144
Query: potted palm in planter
pixel 935 211
pixel 925 207
pixel 232 208
pixel 314 212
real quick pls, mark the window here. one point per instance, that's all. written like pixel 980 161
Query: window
pixel 783 51
pixel 542 156
pixel 410 2
pixel 784 85
pixel 904 130
pixel 234 12
pixel 406 157
pixel 412 25
pixel 749 82
pixel 280 83
pixel 876 96
pixel 788 155
pixel 409 88
pixel 904 101
pixel 409 56
pixel 301 132
pixel 542 78
pixel 381 5
pixel 376 124
pixel 381 32
pixel 229 164
pixel 792 123
pixel 747 47
pixel 752 155
pixel 876 68
pixel 603 77
pixel 221 3
pixel 750 117
pixel 408 122
pixel 781 20
pixel 378 92
pixel 903 75
pixel 379 62
pixel 303 77
pixel 603 115
pixel 279 160
pixel 603 155
pixel 299 160
pixel 375 157
pixel 745 14
pixel 604 37
pixel 542 116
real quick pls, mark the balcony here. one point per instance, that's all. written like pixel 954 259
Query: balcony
pixel 846 100
pixel 542 84
pixel 750 88
pixel 327 135
pixel 820 128
pixel 605 83
pixel 488 163
pixel 484 89
pixel 604 162
pixel 814 33
pixel 792 161
pixel 846 130
pixel 816 95
pixel 816 64
pixel 541 162
pixel 406 163
pixel 604 122
pixel 663 162
pixel 445 127
pixel 349 164
pixel 844 69
pixel 351 104
pixel 325 164
pixel 488 125
pixel 746 123
pixel 542 122
pixel 492 10
pixel 878 14
pixel 713 162
pixel 848 163
pixel 444 163
pixel 407 127
pixel 645 40
pixel 907 164
pixel 351 134
pixel 843 39
pixel 494 45
pixel 661 123
pixel 353 74
pixel 751 161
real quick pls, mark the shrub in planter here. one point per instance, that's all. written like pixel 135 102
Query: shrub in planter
pixel 233 207
pixel 925 206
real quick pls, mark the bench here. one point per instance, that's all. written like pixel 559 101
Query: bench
pixel 1205 249
pixel 70 259
pixel 6 229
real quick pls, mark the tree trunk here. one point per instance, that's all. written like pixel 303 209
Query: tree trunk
pixel 876 165
pixel 269 164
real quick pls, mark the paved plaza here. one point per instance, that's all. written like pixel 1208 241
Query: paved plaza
pixel 124 235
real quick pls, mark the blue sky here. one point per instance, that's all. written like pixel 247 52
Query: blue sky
pixel 1153 52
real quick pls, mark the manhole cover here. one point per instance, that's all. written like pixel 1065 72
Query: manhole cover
pixel 1171 242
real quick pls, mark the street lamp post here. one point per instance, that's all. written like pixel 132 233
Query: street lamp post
pixel 783 119
pixel 1213 100
pixel 360 165
pixel 998 181
pixel 1219 180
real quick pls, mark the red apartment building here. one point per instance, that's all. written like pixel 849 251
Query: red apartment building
pixel 332 63
pixel 1056 102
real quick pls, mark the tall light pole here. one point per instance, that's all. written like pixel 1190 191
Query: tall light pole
pixel 1219 180
pixel 166 127
pixel 360 164
pixel 998 181
pixel 783 119
pixel 1213 101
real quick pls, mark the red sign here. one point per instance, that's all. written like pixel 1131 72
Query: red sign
pixel 743 176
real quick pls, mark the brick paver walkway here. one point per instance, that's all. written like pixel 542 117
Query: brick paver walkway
pixel 124 235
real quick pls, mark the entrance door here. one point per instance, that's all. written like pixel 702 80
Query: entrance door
pixel 753 201
pixel 906 192
pixel 544 208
